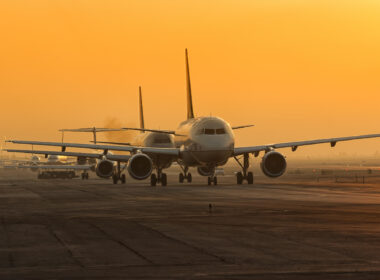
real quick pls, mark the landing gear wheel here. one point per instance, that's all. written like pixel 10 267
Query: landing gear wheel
pixel 181 177
pixel 250 178
pixel 209 181
pixel 122 179
pixel 189 177
pixel 153 180
pixel 83 176
pixel 87 176
pixel 164 179
pixel 239 178
pixel 215 181
pixel 115 179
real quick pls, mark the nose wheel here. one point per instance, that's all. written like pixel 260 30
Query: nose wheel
pixel 160 178
pixel 212 180
pixel 117 176
pixel 185 175
pixel 84 176
pixel 244 175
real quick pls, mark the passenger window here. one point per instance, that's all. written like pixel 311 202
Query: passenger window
pixel 220 131
pixel 209 131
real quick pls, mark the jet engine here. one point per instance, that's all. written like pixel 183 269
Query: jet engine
pixel 206 171
pixel 140 166
pixel 105 168
pixel 273 164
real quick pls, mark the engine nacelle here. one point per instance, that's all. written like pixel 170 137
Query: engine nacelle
pixel 81 160
pixel 140 166
pixel 206 171
pixel 105 168
pixel 273 164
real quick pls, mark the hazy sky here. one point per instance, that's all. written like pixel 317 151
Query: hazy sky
pixel 296 69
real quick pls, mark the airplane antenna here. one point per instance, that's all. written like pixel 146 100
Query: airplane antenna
pixel 190 110
pixel 63 136
pixel 142 125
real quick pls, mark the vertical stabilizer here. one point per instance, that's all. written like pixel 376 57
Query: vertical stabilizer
pixel 190 111
pixel 141 110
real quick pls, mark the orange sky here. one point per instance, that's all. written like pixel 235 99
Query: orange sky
pixel 296 69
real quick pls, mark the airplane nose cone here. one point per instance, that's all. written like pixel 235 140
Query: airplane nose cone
pixel 212 152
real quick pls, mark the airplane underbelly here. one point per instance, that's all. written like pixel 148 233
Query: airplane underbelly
pixel 193 158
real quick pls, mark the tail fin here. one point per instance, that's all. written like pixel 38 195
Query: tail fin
pixel 141 110
pixel 190 110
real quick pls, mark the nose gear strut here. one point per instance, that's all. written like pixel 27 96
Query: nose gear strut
pixel 159 178
pixel 185 175
pixel 118 176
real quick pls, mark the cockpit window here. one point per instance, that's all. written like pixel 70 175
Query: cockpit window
pixel 209 131
pixel 220 131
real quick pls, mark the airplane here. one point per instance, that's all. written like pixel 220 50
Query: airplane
pixel 56 166
pixel 205 143
pixel 146 138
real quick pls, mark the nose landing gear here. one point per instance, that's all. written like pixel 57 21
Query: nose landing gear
pixel 241 176
pixel 159 178
pixel 84 176
pixel 118 176
pixel 185 175
pixel 212 180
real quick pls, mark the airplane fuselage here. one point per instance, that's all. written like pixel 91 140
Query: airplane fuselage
pixel 157 140
pixel 205 141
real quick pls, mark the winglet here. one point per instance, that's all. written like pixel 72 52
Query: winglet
pixel 142 126
pixel 190 111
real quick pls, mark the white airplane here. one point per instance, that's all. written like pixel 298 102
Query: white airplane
pixel 202 142
pixel 147 138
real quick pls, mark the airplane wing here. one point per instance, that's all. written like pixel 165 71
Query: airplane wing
pixel 153 130
pixel 103 129
pixel 242 126
pixel 105 148
pixel 295 145
pixel 113 143
pixel 59 167
pixel 122 158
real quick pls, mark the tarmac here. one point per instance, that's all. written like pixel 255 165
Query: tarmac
pixel 92 229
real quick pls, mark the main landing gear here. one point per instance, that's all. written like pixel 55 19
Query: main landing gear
pixel 159 178
pixel 185 175
pixel 118 176
pixel 241 176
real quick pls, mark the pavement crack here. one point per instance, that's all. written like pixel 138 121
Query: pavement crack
pixel 203 251
pixel 64 245
pixel 10 255
pixel 121 243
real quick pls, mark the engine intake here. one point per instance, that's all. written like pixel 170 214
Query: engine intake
pixel 273 164
pixel 105 168
pixel 140 166
pixel 206 171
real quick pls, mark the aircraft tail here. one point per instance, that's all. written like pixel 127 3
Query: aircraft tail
pixel 190 110
pixel 142 126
